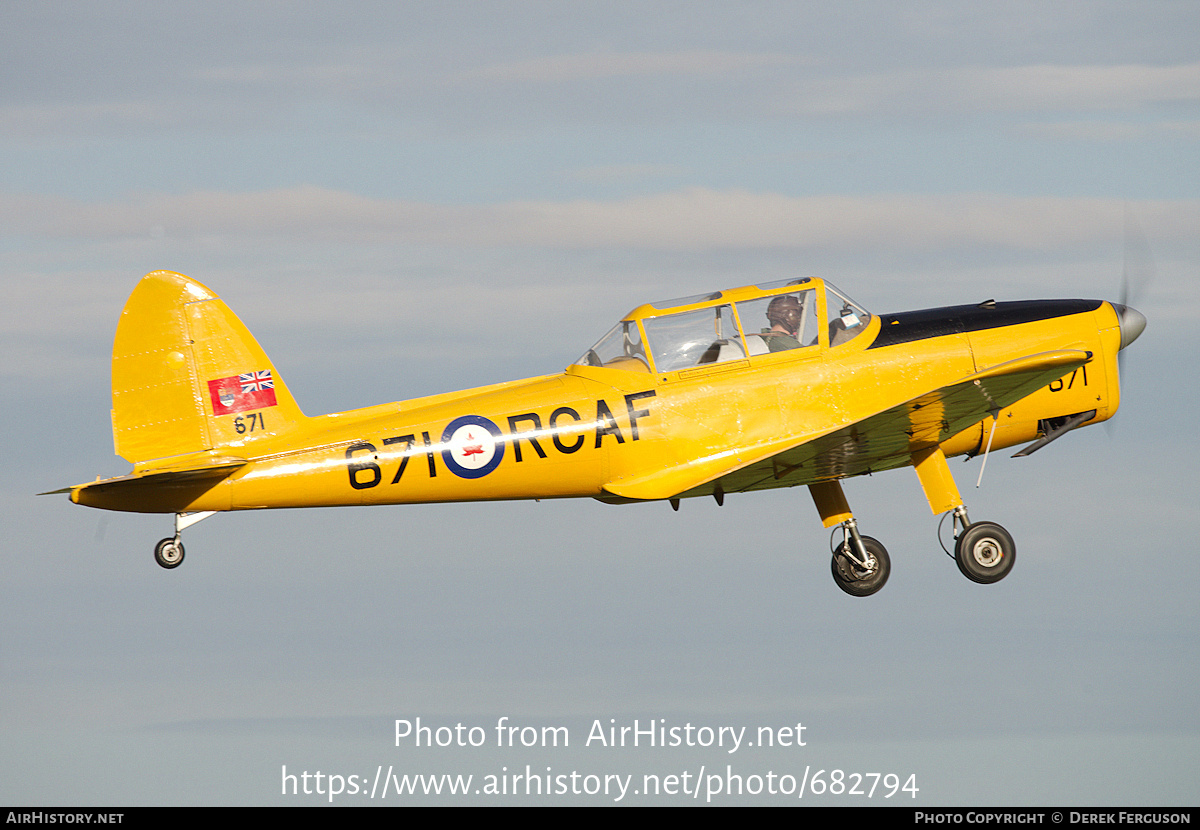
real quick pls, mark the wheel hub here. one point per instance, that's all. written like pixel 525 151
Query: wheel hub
pixel 987 553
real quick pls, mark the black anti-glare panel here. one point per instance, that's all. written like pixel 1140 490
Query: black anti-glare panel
pixel 959 319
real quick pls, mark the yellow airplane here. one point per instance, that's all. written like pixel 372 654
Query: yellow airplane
pixel 745 389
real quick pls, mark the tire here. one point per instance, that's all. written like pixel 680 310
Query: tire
pixel 856 581
pixel 168 553
pixel 985 553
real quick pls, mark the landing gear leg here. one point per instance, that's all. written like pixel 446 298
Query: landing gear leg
pixel 168 553
pixel 984 551
pixel 860 564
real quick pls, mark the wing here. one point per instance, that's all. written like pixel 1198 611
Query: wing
pixel 880 441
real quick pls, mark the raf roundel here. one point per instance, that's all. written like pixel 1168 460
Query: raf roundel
pixel 472 446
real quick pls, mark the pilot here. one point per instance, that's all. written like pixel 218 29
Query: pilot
pixel 784 316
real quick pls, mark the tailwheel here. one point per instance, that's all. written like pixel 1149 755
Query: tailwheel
pixel 861 580
pixel 985 553
pixel 169 552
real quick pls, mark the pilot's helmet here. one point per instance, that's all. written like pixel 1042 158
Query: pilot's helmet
pixel 785 311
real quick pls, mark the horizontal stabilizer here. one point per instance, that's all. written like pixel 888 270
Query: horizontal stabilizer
pixel 159 490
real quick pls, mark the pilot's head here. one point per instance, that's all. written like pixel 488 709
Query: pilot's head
pixel 784 311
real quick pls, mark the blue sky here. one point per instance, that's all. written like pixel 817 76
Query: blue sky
pixel 406 198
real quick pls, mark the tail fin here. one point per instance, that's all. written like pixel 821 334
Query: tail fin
pixel 189 378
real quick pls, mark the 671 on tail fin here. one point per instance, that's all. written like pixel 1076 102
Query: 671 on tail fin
pixel 750 388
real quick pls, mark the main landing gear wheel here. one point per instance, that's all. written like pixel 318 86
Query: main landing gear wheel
pixel 169 553
pixel 856 580
pixel 985 553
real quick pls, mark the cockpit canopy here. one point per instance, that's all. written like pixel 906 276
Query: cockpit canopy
pixel 730 325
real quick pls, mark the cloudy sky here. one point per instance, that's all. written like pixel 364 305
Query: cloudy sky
pixel 406 198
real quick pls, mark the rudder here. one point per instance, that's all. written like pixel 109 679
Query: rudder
pixel 183 363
